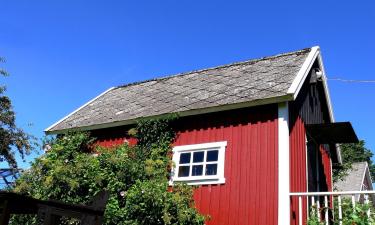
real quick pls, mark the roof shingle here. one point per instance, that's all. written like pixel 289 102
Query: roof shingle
pixel 247 81
pixel 353 181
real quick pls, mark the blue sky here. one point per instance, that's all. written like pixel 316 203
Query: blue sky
pixel 60 54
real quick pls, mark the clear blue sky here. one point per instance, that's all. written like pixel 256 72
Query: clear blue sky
pixel 60 54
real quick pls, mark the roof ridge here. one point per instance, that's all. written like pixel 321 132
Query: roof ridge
pixel 304 50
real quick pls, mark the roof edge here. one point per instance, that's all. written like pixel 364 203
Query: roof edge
pixel 79 108
pixel 303 72
pixel 258 102
pixel 163 77
pixel 364 175
pixel 290 96
pixel 298 82
pixel 367 175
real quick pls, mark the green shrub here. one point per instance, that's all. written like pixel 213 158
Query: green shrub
pixel 135 176
pixel 350 216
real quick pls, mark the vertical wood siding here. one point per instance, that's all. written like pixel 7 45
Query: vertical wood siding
pixel 298 173
pixel 309 108
pixel 327 167
pixel 113 136
pixel 249 195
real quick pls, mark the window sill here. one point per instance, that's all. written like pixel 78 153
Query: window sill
pixel 200 181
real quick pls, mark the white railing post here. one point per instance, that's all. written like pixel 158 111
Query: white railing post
pixel 367 203
pixel 326 209
pixel 340 209
pixel 300 210
pixel 353 202
pixel 329 196
pixel 313 200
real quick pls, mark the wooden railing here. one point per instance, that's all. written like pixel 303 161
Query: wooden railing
pixel 49 212
pixel 321 203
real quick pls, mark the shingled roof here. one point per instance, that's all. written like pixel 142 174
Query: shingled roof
pixel 354 180
pixel 266 79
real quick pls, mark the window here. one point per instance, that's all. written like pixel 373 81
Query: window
pixel 200 163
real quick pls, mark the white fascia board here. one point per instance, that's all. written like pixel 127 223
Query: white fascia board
pixel 326 89
pixel 298 82
pixel 303 72
pixel 70 114
pixel 329 102
pixel 283 162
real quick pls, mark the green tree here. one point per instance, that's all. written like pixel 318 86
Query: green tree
pixel 135 176
pixel 351 153
pixel 12 138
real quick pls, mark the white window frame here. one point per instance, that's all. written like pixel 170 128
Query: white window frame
pixel 205 179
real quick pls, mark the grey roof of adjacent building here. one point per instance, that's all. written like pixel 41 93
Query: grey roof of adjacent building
pixel 354 179
pixel 242 82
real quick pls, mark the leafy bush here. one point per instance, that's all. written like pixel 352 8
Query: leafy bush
pixel 136 177
pixel 350 216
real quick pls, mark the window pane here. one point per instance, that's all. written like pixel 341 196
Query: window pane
pixel 185 158
pixel 212 155
pixel 197 170
pixel 183 171
pixel 198 157
pixel 211 169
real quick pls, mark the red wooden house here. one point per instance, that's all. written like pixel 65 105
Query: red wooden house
pixel 249 133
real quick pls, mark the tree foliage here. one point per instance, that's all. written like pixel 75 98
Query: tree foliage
pixel 136 177
pixel 11 137
pixel 351 153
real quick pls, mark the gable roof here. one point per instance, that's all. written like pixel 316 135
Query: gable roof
pixel 355 179
pixel 261 81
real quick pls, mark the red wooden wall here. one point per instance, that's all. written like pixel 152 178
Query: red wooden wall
pixel 310 107
pixel 298 173
pixel 327 167
pixel 250 194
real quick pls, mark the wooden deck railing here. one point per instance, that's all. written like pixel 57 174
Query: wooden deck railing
pixel 324 203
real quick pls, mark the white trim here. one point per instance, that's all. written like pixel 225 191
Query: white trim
pixel 329 103
pixel 363 179
pixel 326 89
pixel 303 72
pixel 299 80
pixel 334 193
pixel 199 146
pixel 200 180
pixel 89 102
pixel 363 176
pixel 283 161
